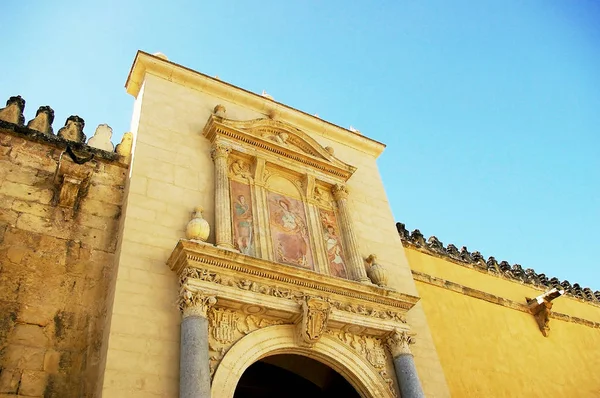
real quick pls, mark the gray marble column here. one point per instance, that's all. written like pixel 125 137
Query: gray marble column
pixel 404 364
pixel 354 260
pixel 223 236
pixel 194 367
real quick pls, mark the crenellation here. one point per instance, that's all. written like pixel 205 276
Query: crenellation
pixel 435 247
pixel 13 112
pixel 44 117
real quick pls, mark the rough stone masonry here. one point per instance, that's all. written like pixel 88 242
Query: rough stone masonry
pixel 60 207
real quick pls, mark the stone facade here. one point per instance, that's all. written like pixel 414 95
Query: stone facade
pixel 111 290
pixel 60 206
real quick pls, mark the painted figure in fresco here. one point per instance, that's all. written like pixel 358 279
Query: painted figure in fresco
pixel 290 234
pixel 243 225
pixel 334 252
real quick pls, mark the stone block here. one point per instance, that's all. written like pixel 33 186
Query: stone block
pixel 8 216
pixel 29 335
pixel 34 208
pixel 27 192
pixel 23 357
pixel 106 193
pixel 99 208
pixel 36 314
pixel 33 383
pixel 9 380
pixel 52 361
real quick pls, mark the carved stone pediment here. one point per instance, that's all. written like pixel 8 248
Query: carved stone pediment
pixel 276 139
pixel 277 291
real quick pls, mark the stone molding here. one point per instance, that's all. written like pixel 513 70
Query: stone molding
pixel 278 139
pixel 399 342
pixel 490 298
pixel 145 63
pixel 238 280
pixel 434 247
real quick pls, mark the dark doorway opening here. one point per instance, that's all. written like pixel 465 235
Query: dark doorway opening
pixel 292 376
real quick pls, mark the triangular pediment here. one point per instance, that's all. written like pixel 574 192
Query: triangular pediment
pixel 280 138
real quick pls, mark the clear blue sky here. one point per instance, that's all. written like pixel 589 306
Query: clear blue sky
pixel 490 109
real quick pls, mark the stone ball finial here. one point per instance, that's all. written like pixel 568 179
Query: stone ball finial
pixel 330 150
pixel 220 110
pixel 44 117
pixel 161 56
pixel 13 112
pixel 101 138
pixel 272 113
pixel 73 129
pixel 197 228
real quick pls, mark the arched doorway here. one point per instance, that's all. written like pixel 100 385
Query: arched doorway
pixel 283 339
pixel 291 376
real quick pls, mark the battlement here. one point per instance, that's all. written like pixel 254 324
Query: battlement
pixel 434 247
pixel 70 136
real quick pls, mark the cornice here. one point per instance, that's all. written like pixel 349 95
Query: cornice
pixel 145 63
pixel 193 255
pixel 256 133
pixel 474 260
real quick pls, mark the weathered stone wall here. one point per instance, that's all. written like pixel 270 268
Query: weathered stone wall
pixel 58 233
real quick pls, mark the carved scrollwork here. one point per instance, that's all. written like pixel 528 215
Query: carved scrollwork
pixel 194 303
pixel 399 342
pixel 241 169
pixel 339 191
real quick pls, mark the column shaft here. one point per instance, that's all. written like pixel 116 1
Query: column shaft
pixel 223 234
pixel 194 369
pixel 406 374
pixel 353 258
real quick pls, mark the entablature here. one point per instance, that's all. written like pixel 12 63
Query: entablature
pixel 255 285
pixel 276 140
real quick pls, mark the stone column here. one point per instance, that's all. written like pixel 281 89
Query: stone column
pixel 194 367
pixel 219 154
pixel 354 260
pixel 404 364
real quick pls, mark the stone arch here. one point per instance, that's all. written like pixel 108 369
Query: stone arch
pixel 282 339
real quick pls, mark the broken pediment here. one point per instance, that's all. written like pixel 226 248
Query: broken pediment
pixel 277 138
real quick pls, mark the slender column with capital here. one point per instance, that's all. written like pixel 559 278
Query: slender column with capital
pixel 194 367
pixel 404 364
pixel 219 154
pixel 353 258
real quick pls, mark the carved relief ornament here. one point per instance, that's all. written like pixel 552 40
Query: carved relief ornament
pixel 315 314
pixel 399 342
pixel 339 191
pixel 223 324
pixel 277 141
pixel 194 303
pixel 219 150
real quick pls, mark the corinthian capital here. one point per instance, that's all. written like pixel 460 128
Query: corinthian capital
pixel 194 303
pixel 219 149
pixel 399 342
pixel 339 192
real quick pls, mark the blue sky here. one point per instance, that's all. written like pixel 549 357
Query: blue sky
pixel 490 109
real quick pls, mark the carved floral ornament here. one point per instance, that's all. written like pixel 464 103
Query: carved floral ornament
pixel 399 342
pixel 194 303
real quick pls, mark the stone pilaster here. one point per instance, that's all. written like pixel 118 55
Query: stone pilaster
pixel 354 260
pixel 219 154
pixel 404 364
pixel 194 367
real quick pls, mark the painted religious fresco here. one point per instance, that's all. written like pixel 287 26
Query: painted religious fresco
pixel 241 208
pixel 333 244
pixel 289 232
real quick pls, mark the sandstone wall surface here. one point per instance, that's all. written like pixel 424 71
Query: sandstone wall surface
pixel 56 260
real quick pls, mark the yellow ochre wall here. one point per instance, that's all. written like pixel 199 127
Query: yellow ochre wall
pixel 488 350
